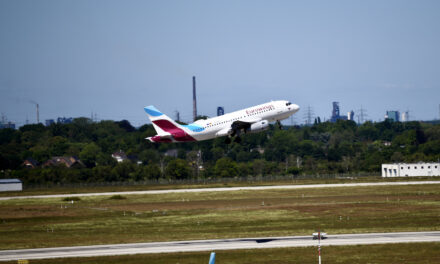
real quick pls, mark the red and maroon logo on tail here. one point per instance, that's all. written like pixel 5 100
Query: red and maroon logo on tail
pixel 177 133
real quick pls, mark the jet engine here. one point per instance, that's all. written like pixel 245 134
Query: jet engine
pixel 258 126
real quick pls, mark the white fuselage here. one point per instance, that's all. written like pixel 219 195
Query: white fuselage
pixel 213 127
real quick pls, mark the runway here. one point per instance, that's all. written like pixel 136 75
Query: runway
pixel 224 189
pixel 218 244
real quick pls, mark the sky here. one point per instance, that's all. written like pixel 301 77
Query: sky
pixel 112 58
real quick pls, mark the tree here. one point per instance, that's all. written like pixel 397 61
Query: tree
pixel 226 168
pixel 89 154
pixel 122 171
pixel 177 169
pixel 124 124
pixel 397 157
pixel 57 146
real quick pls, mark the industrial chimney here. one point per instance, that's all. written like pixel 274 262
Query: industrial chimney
pixel 194 99
pixel 38 114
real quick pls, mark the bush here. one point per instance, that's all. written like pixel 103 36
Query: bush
pixel 117 197
pixel 68 199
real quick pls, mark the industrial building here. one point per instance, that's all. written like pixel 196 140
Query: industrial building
pixel 7 125
pixel 393 115
pixel 8 185
pixel 335 113
pixel 350 115
pixel 411 169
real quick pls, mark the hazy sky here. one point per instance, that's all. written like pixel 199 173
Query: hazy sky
pixel 113 58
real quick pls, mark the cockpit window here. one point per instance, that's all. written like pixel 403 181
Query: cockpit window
pixel 288 103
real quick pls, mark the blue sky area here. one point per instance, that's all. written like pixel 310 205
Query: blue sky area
pixel 113 58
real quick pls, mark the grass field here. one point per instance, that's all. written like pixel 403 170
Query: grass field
pixel 421 253
pixel 34 223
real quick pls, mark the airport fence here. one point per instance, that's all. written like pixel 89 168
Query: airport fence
pixel 205 181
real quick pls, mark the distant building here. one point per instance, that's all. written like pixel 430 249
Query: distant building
pixel 220 111
pixel 30 163
pixel 7 125
pixel 393 115
pixel 119 156
pixel 350 115
pixel 404 117
pixel 8 185
pixel 411 169
pixel 49 122
pixel 69 162
pixel 172 153
pixel 63 120
pixel 336 113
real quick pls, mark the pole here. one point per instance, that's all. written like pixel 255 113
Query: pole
pixel 319 247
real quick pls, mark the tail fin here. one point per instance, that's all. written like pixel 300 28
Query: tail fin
pixel 166 128
pixel 156 118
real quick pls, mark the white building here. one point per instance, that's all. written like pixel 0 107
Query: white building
pixel 404 116
pixel 411 169
pixel 10 185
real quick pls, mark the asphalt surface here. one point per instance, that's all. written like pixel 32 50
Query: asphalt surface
pixel 218 244
pixel 226 189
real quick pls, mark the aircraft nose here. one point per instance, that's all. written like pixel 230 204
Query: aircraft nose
pixel 295 108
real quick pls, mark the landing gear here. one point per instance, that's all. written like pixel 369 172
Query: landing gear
pixel 279 125
pixel 237 140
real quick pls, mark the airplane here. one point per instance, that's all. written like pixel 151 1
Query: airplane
pixel 233 125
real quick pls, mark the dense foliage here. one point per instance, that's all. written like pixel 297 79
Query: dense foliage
pixel 324 148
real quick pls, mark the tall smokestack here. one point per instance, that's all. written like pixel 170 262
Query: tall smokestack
pixel 38 114
pixel 194 99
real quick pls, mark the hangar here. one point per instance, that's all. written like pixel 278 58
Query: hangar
pixel 411 169
pixel 10 185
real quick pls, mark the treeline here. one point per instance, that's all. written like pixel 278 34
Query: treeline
pixel 324 148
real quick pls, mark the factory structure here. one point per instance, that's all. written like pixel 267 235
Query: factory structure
pixel 396 116
pixel 220 109
pixel 337 116
pixel 411 169
pixel 194 99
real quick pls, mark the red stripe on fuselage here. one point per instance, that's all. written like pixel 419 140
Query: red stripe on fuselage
pixel 177 133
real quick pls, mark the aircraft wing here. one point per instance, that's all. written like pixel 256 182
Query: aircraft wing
pixel 237 125
pixel 244 123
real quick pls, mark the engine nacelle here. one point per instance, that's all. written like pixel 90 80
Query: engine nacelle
pixel 258 126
